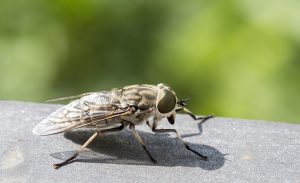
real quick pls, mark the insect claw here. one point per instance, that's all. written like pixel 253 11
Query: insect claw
pixel 154 161
pixel 56 166
pixel 205 158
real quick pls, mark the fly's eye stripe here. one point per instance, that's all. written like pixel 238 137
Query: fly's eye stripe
pixel 167 102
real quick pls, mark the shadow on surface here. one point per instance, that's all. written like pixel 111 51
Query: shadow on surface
pixel 122 148
pixel 199 128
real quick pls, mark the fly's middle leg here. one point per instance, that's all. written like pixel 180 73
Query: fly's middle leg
pixel 139 139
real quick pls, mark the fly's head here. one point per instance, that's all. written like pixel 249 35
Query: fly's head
pixel 167 103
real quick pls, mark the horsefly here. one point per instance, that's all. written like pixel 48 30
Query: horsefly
pixel 111 111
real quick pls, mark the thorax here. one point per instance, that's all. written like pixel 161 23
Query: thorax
pixel 142 98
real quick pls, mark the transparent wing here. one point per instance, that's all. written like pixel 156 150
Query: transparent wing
pixel 69 97
pixel 86 111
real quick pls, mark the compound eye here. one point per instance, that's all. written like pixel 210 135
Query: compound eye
pixel 167 102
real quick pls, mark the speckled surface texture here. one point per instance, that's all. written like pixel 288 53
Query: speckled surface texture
pixel 238 151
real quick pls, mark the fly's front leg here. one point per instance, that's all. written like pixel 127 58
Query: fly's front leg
pixel 180 139
pixel 148 123
pixel 194 116
pixel 58 165
pixel 139 139
pixel 153 125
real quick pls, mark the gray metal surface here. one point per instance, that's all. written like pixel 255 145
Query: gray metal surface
pixel 238 151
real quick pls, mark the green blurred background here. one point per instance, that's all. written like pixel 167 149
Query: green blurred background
pixel 232 58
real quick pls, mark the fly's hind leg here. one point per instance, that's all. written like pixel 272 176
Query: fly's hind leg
pixel 58 165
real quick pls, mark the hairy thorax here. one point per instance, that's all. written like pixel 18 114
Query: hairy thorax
pixel 142 98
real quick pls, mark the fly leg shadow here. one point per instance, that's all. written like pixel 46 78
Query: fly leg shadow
pixel 202 118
